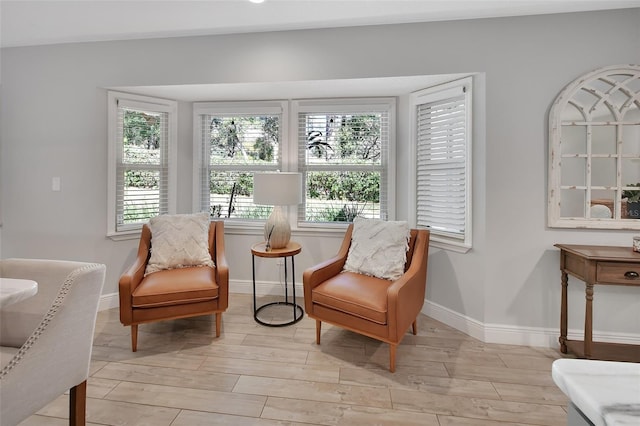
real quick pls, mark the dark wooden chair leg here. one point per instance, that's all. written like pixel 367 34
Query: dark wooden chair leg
pixel 218 323
pixel 392 357
pixel 415 327
pixel 318 327
pixel 78 404
pixel 134 337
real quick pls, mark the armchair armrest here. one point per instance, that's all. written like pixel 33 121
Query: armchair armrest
pixel 408 291
pixel 222 267
pixel 329 268
pixel 321 272
pixel 132 277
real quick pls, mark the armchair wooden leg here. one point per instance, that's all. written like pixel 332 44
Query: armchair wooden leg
pixel 318 327
pixel 78 404
pixel 414 327
pixel 218 323
pixel 392 357
pixel 134 337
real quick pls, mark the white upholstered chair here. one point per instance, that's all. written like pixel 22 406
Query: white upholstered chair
pixel 46 340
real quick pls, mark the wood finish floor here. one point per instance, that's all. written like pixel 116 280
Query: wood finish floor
pixel 255 375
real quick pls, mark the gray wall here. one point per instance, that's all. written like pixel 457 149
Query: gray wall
pixel 53 112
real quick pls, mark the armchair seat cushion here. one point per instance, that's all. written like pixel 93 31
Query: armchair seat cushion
pixel 176 287
pixel 355 294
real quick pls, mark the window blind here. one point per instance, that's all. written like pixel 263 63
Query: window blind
pixel 442 165
pixel 234 144
pixel 142 169
pixel 343 154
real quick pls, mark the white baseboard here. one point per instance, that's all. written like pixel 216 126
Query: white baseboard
pixel 487 333
pixel 264 288
pixel 516 335
pixel 108 301
pixel 524 336
pixel 454 319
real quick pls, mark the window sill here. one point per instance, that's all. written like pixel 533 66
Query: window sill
pixel 252 228
pixel 134 234
pixel 448 245
pixel 248 228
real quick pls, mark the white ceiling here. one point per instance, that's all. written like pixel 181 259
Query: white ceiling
pixel 30 22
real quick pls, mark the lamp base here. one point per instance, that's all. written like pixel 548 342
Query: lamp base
pixel 277 231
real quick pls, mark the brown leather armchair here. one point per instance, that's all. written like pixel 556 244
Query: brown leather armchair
pixel 174 293
pixel 378 308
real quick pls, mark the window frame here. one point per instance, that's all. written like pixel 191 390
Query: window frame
pixel 388 154
pixel 271 107
pixel 436 93
pixel 289 151
pixel 151 104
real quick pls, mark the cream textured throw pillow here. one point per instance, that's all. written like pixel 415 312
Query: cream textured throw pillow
pixel 378 248
pixel 179 241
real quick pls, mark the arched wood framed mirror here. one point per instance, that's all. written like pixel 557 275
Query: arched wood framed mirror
pixel 594 151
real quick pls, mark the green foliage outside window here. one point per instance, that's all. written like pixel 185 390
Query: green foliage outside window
pixel 243 140
pixel 347 141
pixel 344 143
pixel 350 186
pixel 254 140
pixel 141 148
pixel 141 140
pixel 237 145
pixel 359 137
pixel 343 139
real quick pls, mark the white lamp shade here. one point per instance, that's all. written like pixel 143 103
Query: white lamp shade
pixel 277 189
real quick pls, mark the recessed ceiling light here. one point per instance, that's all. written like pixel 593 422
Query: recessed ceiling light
pixel 256 1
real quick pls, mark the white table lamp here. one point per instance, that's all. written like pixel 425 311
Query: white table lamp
pixel 277 190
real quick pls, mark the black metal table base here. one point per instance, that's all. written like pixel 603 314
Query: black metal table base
pixel 296 309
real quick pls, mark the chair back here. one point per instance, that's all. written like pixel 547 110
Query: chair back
pixel 53 331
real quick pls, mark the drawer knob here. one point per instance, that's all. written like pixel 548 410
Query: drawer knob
pixel 631 275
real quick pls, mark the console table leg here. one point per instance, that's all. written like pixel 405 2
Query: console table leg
pixel 563 313
pixel 588 321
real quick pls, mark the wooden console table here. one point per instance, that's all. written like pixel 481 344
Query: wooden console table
pixel 601 265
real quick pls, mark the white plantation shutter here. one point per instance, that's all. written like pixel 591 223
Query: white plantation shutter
pixel 443 161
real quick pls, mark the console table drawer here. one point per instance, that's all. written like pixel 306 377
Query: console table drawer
pixel 618 273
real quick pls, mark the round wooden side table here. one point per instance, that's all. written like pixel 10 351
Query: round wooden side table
pixel 289 251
